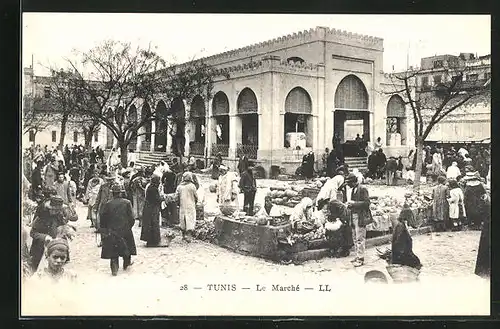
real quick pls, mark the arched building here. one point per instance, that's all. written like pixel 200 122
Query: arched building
pixel 283 98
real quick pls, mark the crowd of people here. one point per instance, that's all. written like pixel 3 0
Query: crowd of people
pixel 119 196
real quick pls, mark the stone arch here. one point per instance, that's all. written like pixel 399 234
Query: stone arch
pixel 198 109
pixel 220 111
pixel 220 104
pixel 147 128
pixel 160 141
pixel 247 102
pixel 109 134
pixel 298 119
pixel 178 115
pixel 198 128
pixel 298 101
pixel 396 121
pixel 351 93
pixel 132 120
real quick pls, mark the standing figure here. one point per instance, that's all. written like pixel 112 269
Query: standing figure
pixel 103 196
pixel 63 189
pixel 93 188
pixel 331 164
pixel 170 211
pixel 456 205
pixel 187 199
pixel 440 204
pixel 474 190
pixel 242 164
pixel 390 171
pixel 227 189
pixel 483 261
pixel 138 189
pixel 378 144
pixel 308 165
pixel 50 172
pixel 249 187
pixel 358 202
pixel 116 230
pixel 150 231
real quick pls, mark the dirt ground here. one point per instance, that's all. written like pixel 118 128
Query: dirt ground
pixel 152 286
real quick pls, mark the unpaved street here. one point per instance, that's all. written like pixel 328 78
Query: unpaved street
pixel 152 285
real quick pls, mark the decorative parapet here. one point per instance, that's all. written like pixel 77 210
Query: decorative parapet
pixel 274 63
pixel 317 34
pixel 346 37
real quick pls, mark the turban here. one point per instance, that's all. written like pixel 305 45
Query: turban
pixel 58 244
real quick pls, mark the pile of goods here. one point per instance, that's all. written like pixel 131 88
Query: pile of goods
pixel 317 234
pixel 205 231
pixel 317 182
pixel 284 194
pixel 384 207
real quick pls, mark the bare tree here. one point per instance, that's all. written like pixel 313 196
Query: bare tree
pixel 36 114
pixel 431 104
pixel 115 76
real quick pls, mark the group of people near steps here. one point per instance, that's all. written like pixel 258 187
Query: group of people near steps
pixel 118 197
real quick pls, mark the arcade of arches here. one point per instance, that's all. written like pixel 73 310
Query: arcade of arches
pixel 234 132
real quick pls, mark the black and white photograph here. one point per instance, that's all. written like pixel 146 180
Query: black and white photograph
pixel 255 165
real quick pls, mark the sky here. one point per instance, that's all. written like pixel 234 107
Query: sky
pixel 48 37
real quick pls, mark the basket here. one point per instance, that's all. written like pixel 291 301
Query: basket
pixel 228 210
pixel 402 273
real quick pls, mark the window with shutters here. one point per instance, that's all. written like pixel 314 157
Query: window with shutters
pixel 46 92
pixel 298 101
pixel 437 79
pixel 75 136
pixel 32 136
pixel 247 101
pixel 54 136
pixel 96 136
pixel 351 94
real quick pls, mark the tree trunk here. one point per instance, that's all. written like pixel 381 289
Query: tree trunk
pixel 64 122
pixel 88 139
pixel 418 163
pixel 123 154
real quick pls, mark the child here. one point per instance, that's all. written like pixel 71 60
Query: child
pixel 57 255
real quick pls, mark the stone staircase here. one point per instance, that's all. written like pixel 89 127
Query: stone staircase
pixel 153 158
pixel 357 162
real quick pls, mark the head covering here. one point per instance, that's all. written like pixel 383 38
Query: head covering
pixel 117 188
pixel 306 203
pixel 454 163
pixel 56 202
pixel 471 175
pixel 155 180
pixel 351 179
pixel 58 244
pixel 187 177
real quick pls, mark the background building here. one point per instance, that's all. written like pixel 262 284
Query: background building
pixel 288 96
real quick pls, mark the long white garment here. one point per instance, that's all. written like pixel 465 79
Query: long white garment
pixel 329 190
pixel 456 201
pixel 453 172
